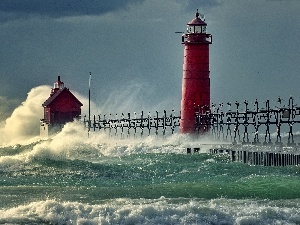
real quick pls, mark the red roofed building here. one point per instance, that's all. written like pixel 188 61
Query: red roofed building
pixel 61 107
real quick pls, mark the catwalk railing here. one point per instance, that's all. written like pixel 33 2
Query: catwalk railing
pixel 134 125
pixel 246 123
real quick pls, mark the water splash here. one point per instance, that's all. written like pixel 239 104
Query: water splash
pixel 23 124
pixel 155 211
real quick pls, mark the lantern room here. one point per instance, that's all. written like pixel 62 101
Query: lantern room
pixel 58 84
pixel 196 31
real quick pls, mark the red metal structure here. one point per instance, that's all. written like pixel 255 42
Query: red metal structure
pixel 62 106
pixel 195 80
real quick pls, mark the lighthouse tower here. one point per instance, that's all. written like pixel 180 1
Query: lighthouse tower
pixel 195 80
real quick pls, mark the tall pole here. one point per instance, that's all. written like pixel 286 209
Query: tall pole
pixel 89 123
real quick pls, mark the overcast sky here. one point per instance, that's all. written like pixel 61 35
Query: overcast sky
pixel 135 56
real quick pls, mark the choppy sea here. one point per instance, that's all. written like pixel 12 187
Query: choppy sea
pixel 73 179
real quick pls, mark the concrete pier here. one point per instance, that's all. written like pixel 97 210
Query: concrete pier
pixel 260 157
pixel 254 156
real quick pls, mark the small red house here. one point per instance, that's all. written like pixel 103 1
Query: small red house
pixel 62 106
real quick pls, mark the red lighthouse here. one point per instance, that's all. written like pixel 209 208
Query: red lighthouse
pixel 195 80
pixel 61 107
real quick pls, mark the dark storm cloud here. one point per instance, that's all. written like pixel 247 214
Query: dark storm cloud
pixel 59 8
pixel 19 9
pixel 194 4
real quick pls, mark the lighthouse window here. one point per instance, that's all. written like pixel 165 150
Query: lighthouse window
pixel 198 29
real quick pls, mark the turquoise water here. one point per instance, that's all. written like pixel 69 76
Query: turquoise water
pixel 72 179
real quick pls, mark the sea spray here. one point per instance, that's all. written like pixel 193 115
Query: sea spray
pixel 22 126
pixel 73 178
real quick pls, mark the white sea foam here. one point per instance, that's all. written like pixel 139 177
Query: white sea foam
pixel 73 143
pixel 157 211
pixel 115 146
